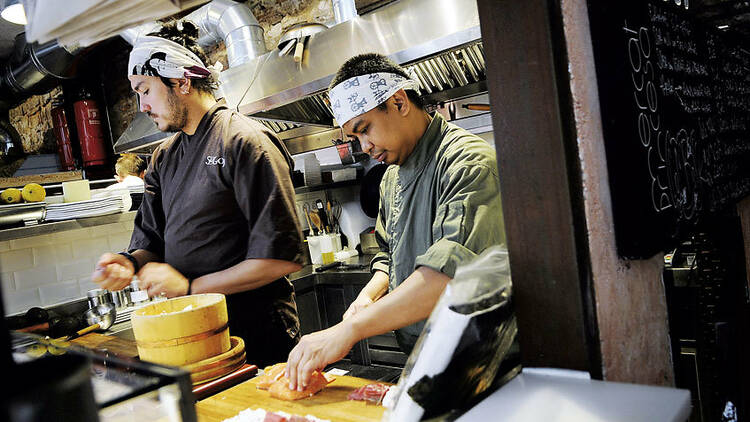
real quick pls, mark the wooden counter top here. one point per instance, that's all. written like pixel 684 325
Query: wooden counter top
pixel 331 403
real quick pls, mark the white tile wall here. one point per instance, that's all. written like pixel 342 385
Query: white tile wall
pixel 53 268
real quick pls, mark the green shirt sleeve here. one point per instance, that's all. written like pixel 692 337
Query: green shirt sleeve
pixel 381 261
pixel 468 218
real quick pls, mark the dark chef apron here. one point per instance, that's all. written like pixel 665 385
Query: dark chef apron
pixel 266 319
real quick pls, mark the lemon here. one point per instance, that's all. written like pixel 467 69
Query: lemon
pixel 57 347
pixel 57 351
pixel 10 196
pixel 33 193
pixel 36 350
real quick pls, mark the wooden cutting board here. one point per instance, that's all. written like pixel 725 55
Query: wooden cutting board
pixel 114 345
pixel 331 403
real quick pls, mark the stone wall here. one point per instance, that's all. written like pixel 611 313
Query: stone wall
pixel 33 122
pixel 277 16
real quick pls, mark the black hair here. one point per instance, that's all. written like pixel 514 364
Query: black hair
pixel 367 63
pixel 186 34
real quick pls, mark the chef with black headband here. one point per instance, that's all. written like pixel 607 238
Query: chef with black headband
pixel 218 210
pixel 439 207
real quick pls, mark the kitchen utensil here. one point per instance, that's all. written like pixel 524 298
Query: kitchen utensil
pixel 306 211
pixel 98 297
pixel 296 36
pixel 121 298
pixel 335 216
pixel 219 365
pixel 315 218
pixel 182 330
pixel 100 317
pixel 329 212
pixel 299 49
pixel 327 267
pixel 476 107
pixel 323 217
pixel 137 295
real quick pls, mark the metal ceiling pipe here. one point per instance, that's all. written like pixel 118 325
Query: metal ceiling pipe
pixel 33 69
pixel 344 10
pixel 131 35
pixel 233 23
pixel 220 20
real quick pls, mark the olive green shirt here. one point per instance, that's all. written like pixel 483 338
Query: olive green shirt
pixel 441 208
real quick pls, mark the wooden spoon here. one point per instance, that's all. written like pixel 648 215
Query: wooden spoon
pixel 315 218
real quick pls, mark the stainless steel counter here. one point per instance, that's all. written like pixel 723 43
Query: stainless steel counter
pixel 58 226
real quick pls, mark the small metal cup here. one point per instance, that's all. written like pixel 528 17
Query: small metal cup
pixel 98 297
pixel 121 298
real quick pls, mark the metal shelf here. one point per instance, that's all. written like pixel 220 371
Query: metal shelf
pixel 334 185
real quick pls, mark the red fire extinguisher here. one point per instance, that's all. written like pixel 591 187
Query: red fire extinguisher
pixel 62 133
pixel 90 136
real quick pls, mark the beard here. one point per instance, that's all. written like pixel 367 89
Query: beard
pixel 178 113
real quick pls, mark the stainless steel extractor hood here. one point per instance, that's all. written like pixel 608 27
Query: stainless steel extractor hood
pixel 438 40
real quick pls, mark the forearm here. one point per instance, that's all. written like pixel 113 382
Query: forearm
pixel 246 275
pixel 144 256
pixel 410 302
pixel 376 287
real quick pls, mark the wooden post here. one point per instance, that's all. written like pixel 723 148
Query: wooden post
pixel 540 183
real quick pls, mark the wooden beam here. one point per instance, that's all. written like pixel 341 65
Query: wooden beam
pixel 42 179
pixel 540 183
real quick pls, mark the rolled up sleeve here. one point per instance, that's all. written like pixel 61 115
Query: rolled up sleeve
pixel 382 259
pixel 468 219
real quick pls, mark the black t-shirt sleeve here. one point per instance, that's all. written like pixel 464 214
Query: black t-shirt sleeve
pixel 264 192
pixel 148 230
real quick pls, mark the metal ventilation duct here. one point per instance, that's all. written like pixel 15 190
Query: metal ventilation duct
pixel 343 10
pixel 33 69
pixel 233 23
pixel 438 39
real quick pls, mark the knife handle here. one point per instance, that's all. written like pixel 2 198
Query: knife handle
pixel 328 266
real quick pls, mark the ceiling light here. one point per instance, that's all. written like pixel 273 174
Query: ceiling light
pixel 722 27
pixel 12 11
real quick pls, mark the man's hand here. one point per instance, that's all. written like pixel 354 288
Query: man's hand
pixel 113 272
pixel 316 350
pixel 158 278
pixel 360 303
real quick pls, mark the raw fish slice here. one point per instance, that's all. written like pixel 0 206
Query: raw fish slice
pixel 280 389
pixel 271 374
pixel 373 393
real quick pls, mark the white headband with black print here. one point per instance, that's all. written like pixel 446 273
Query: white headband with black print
pixel 156 56
pixel 360 94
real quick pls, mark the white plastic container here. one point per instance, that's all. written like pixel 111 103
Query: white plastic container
pixel 313 243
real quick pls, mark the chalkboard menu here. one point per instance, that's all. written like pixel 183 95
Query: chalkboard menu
pixel 675 107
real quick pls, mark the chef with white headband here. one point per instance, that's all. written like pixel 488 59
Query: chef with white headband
pixel 218 210
pixel 439 208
